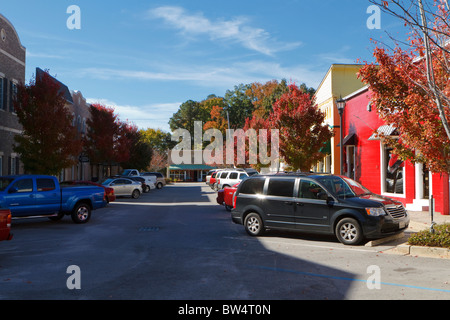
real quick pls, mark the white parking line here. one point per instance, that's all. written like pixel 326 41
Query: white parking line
pixel 163 204
pixel 274 242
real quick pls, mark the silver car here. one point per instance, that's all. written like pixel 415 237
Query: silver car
pixel 124 187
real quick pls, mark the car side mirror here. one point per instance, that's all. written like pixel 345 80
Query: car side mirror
pixel 13 190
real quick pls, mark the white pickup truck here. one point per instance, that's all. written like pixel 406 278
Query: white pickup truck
pixel 149 180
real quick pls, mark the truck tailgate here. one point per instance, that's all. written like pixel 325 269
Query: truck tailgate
pixel 5 225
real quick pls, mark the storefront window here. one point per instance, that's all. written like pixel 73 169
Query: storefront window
pixel 393 172
pixel 177 175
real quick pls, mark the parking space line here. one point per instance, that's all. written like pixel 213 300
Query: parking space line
pixel 345 279
pixel 301 244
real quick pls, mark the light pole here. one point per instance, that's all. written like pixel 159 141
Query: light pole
pixel 341 107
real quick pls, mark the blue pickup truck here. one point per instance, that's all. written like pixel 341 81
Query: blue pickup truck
pixel 29 196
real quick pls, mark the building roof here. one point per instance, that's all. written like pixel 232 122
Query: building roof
pixel 62 87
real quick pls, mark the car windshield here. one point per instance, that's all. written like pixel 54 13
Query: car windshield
pixel 5 182
pixel 343 187
pixel 107 182
pixel 126 172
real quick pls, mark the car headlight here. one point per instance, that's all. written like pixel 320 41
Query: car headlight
pixel 376 212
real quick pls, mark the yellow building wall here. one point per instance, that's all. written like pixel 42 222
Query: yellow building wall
pixel 340 81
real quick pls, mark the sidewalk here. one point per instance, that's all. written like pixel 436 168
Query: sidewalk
pixel 420 221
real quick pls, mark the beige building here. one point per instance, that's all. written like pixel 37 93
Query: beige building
pixel 340 81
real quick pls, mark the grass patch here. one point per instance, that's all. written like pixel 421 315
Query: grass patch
pixel 440 238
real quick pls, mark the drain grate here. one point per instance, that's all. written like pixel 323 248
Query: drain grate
pixel 149 229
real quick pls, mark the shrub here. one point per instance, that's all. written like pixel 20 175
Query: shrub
pixel 440 238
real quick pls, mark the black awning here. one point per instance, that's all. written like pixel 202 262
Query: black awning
pixel 349 140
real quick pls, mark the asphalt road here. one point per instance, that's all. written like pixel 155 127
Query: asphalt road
pixel 178 244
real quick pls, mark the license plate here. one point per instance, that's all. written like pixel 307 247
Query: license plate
pixel 402 225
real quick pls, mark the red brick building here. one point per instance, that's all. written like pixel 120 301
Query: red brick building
pixel 368 160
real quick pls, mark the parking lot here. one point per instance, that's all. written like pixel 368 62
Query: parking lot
pixel 177 243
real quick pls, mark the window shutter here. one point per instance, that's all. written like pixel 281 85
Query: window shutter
pixel 5 94
pixel 1 93
pixel 11 96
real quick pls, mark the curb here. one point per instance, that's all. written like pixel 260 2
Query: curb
pixel 418 251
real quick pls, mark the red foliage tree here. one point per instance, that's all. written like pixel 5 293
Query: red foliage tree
pixel 302 129
pixel 49 142
pixel 411 88
pixel 108 140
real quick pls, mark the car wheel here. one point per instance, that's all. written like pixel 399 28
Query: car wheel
pixel 81 213
pixel 159 185
pixel 228 208
pixel 254 225
pixel 136 194
pixel 349 232
pixel 147 189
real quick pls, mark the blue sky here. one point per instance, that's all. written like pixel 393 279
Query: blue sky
pixel 145 58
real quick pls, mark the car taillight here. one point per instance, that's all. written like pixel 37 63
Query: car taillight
pixel 8 221
pixel 234 200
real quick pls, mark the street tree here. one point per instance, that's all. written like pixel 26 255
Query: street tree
pixel 161 143
pixel 139 151
pixel 410 83
pixel 107 141
pixel 302 129
pixel 49 142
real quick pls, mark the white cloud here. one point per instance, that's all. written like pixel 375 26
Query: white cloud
pixel 214 76
pixel 31 54
pixel 235 30
pixel 154 116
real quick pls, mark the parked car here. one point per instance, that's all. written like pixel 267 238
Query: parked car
pixel 149 180
pixel 229 178
pixel 124 187
pixel 5 225
pixel 225 196
pixel 30 196
pixel 326 204
pixel 145 187
pixel 212 180
pixel 160 180
pixel 109 192
pixel 209 175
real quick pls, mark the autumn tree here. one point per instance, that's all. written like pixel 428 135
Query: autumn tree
pixel 265 95
pixel 49 141
pixel 108 140
pixel 160 143
pixel 140 152
pixel 302 129
pixel 218 120
pixel 410 83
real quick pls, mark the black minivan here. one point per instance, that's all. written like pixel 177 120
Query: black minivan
pixel 317 203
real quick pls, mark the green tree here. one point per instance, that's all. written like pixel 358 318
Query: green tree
pixel 189 112
pixel 238 105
